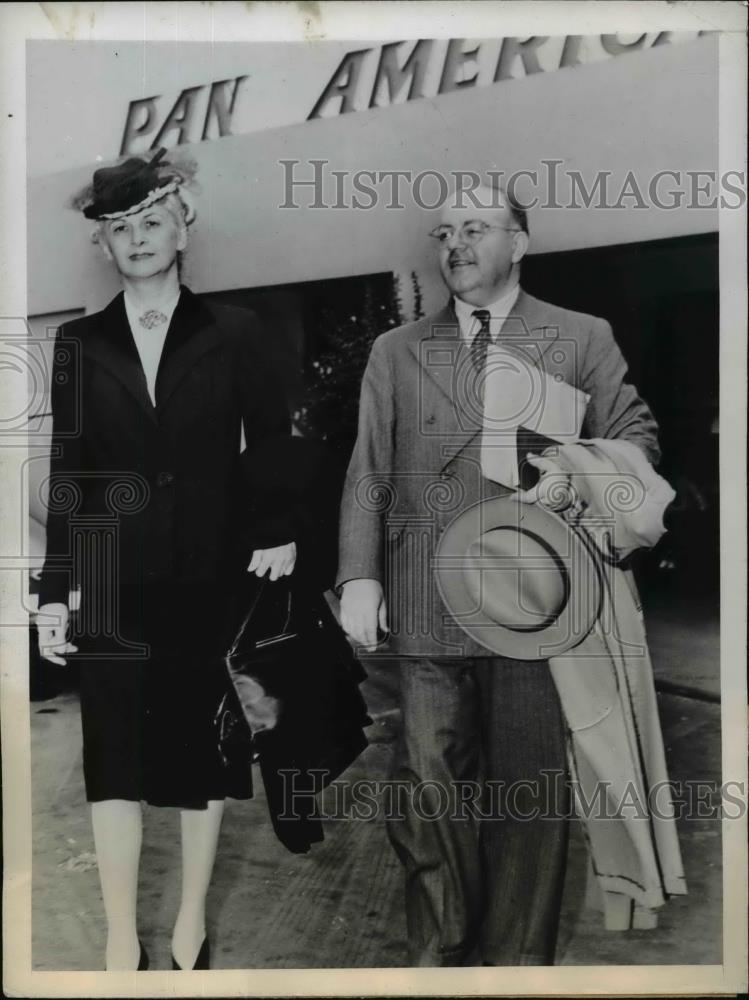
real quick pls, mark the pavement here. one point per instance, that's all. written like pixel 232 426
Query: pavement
pixel 341 906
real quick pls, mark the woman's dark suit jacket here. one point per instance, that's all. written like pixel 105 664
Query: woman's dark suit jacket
pixel 188 511
pixel 168 475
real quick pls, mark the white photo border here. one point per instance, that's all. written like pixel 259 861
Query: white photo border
pixel 236 22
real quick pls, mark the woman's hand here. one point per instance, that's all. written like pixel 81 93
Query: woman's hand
pixel 279 560
pixel 52 626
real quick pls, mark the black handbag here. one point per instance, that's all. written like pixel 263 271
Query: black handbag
pixel 293 702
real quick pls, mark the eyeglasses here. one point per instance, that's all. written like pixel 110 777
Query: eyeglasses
pixel 469 233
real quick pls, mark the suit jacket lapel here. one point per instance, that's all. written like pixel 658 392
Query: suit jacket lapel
pixel 192 332
pixel 112 346
pixel 528 330
pixel 445 359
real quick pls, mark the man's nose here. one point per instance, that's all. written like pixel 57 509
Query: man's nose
pixel 455 239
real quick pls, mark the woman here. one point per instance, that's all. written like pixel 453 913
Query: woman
pixel 150 397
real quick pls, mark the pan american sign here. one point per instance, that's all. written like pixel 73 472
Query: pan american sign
pixel 379 76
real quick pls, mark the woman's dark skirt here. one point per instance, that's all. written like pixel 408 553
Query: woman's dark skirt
pixel 150 688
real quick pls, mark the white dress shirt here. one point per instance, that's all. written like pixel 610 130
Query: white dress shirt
pixel 150 343
pixel 498 310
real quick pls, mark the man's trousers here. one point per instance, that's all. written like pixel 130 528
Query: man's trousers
pixel 484 875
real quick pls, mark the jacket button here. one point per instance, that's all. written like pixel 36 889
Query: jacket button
pixel 164 479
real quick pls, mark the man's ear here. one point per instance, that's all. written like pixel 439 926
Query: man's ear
pixel 519 246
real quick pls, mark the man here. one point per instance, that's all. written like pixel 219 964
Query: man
pixel 477 891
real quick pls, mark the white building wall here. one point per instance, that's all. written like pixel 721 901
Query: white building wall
pixel 648 111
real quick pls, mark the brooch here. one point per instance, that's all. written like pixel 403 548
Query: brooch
pixel 152 318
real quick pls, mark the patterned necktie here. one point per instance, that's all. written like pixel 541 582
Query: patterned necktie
pixel 481 341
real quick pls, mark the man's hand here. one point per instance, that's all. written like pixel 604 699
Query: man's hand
pixel 362 610
pixel 554 490
pixel 52 626
pixel 279 560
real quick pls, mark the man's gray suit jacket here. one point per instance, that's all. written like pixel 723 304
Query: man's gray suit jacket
pixel 416 462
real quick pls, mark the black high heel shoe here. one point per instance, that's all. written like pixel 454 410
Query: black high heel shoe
pixel 203 960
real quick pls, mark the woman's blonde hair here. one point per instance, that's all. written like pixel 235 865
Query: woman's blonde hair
pixel 179 204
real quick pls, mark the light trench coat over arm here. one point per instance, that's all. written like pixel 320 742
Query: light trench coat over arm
pixel 606 689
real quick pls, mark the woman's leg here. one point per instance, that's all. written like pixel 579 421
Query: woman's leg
pixel 118 832
pixel 200 830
